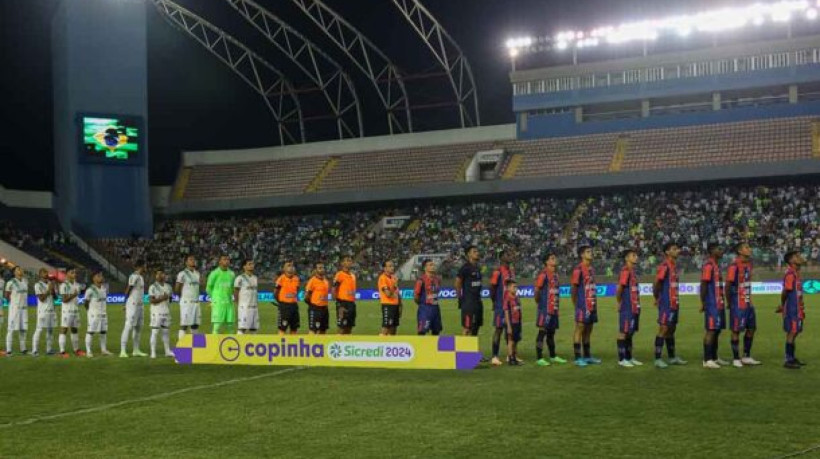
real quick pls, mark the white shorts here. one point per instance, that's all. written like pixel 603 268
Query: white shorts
pixel 248 319
pixel 18 319
pixel 160 319
pixel 134 314
pixel 189 313
pixel 97 322
pixel 47 320
pixel 70 319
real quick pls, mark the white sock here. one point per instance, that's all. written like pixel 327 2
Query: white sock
pixel 135 340
pixel 124 338
pixel 49 340
pixel 88 338
pixel 61 342
pixel 240 332
pixel 103 344
pixel 154 332
pixel 75 341
pixel 180 334
pixel 9 340
pixel 166 340
pixel 35 343
pixel 23 334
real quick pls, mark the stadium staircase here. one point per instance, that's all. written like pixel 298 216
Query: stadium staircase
pixel 512 166
pixel 621 147
pixel 181 184
pixel 815 138
pixel 316 183
pixel 462 170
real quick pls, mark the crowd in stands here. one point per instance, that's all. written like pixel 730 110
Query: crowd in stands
pixel 47 244
pixel 774 219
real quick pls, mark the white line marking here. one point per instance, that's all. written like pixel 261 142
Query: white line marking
pixel 808 450
pixel 150 398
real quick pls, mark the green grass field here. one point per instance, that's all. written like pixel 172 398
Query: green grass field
pixel 111 407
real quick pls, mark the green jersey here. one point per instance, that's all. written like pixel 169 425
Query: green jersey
pixel 220 286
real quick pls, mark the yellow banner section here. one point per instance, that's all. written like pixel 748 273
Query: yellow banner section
pixel 400 352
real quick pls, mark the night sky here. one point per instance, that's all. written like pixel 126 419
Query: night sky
pixel 195 102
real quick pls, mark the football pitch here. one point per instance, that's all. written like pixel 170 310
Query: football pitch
pixel 112 407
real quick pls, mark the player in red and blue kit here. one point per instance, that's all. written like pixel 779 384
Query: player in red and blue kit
pixel 547 293
pixel 585 298
pixel 629 309
pixel 426 296
pixel 712 306
pixel 498 281
pixel 791 306
pixel 667 301
pixel 512 320
pixel 742 315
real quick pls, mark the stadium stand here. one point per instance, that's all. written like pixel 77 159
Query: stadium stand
pixel 43 240
pixel 564 156
pixel 773 219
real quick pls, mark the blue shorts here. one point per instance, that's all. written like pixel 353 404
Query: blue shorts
pixel 581 316
pixel 498 318
pixel 546 320
pixel 628 322
pixel 516 332
pixel 792 324
pixel 742 319
pixel 429 319
pixel 714 320
pixel 667 316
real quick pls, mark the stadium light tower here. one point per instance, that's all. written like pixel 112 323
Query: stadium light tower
pixel 721 20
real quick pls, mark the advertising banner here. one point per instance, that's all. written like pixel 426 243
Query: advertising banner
pixel 398 352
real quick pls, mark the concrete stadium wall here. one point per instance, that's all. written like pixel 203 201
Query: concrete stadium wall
pixel 497 187
pixel 20 258
pixel 26 199
pixel 564 125
pixel 351 146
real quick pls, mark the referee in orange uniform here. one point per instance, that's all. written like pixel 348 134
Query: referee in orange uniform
pixel 344 291
pixel 286 294
pixel 390 298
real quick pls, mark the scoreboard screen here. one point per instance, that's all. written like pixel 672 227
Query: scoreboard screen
pixel 111 139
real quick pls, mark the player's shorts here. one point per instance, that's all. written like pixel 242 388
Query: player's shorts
pixel 516 332
pixel 222 313
pixel 390 315
pixel 792 324
pixel 70 319
pixel 319 318
pixel 498 318
pixel 288 316
pixel 18 319
pixel 97 322
pixel 46 320
pixel 714 320
pixel 345 314
pixel 134 314
pixel 582 317
pixel 627 322
pixel 472 316
pixel 189 314
pixel 667 316
pixel 160 319
pixel 429 319
pixel 742 319
pixel 546 320
pixel 248 318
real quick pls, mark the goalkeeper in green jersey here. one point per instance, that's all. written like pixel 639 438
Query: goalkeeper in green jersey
pixel 220 289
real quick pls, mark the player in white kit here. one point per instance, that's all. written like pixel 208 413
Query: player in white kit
pixel 16 291
pixel 2 317
pixel 134 312
pixel 187 287
pixel 246 296
pixel 70 313
pixel 45 289
pixel 96 296
pixel 159 294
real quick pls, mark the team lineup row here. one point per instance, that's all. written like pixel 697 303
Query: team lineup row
pixel 227 289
